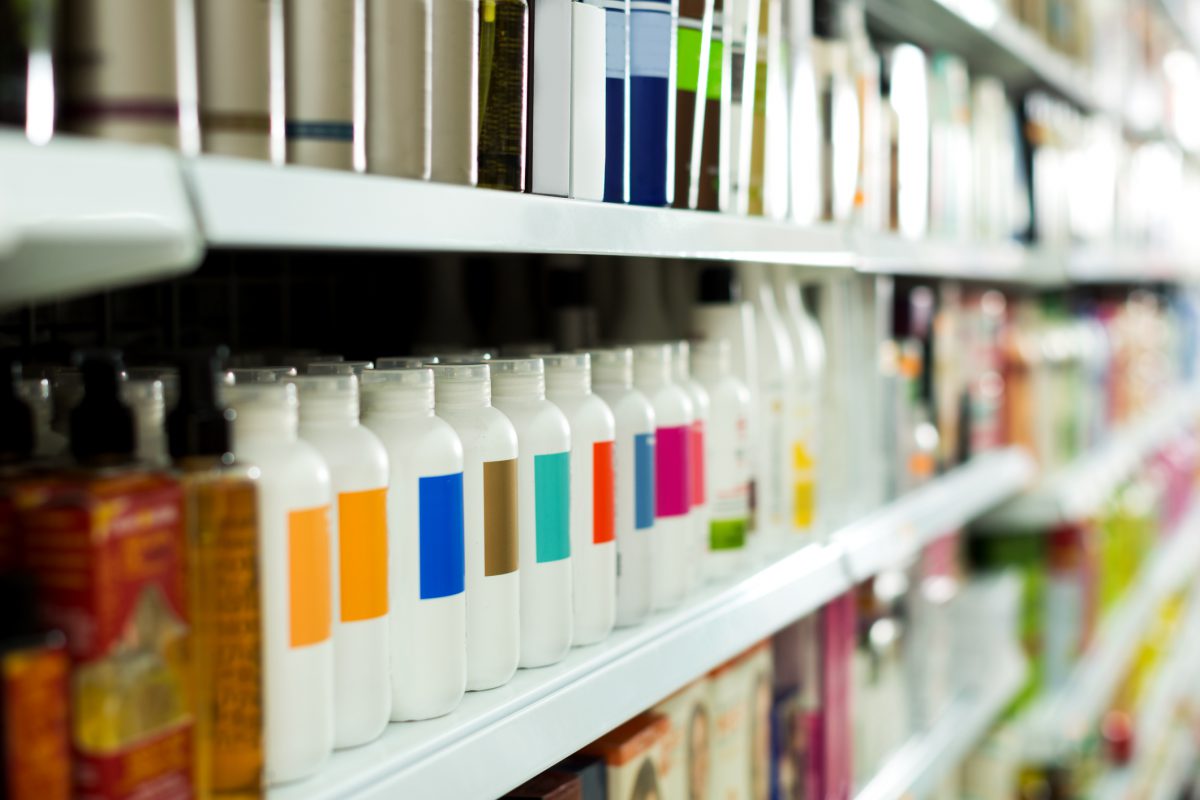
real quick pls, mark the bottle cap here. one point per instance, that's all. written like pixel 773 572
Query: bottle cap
pixel 16 418
pixel 102 426
pixel 199 423
pixel 339 367
pixel 404 362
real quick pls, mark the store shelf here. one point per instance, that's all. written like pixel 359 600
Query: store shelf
pixel 79 216
pixel 989 39
pixel 920 766
pixel 1063 718
pixel 999 262
pixel 897 533
pixel 1116 264
pixel 497 739
pixel 1079 489
pixel 248 204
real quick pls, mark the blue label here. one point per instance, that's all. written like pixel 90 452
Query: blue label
pixel 552 506
pixel 329 131
pixel 442 558
pixel 643 480
pixel 648 110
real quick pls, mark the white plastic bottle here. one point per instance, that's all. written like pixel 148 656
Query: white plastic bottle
pixel 808 349
pixel 673 417
pixel 588 103
pixel 612 380
pixel 728 456
pixel 295 578
pixel 775 369
pixel 593 519
pixel 464 399
pixel 358 467
pixel 543 508
pixel 697 465
pixel 427 604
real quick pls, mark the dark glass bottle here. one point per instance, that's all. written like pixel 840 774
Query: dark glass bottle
pixel 503 77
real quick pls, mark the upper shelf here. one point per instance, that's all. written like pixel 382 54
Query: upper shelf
pixel 81 215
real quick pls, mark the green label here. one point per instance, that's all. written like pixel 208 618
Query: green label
pixel 714 69
pixel 727 534
pixel 687 49
pixel 552 506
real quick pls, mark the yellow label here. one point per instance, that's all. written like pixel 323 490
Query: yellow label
pixel 309 586
pixel 363 553
pixel 803 487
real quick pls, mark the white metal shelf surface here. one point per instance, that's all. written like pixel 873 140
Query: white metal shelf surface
pixel 497 739
pixel 896 533
pixel 78 216
pixel 1063 718
pixel 1078 489
pixel 920 765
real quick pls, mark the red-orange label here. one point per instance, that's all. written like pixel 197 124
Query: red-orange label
pixel 604 521
pixel 309 585
pixel 37 752
pixel 363 554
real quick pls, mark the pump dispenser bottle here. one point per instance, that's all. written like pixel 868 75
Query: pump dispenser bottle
pixel 674 415
pixel 425 549
pixel 358 468
pixel 543 507
pixel 221 513
pixel 612 380
pixel 295 552
pixel 463 395
pixel 593 518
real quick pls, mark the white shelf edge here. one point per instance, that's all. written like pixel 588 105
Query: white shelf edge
pixel 896 533
pixel 1066 716
pixel 84 215
pixel 1079 488
pixel 919 767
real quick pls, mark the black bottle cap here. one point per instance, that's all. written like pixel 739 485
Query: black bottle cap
pixel 199 424
pixel 16 418
pixel 719 284
pixel 101 425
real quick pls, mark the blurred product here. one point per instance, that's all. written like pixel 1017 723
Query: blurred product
pixel 399 85
pixel 503 72
pixel 651 103
pixel 239 97
pixel 455 91
pixel 698 465
pixel 588 102
pixel 548 126
pixel 320 43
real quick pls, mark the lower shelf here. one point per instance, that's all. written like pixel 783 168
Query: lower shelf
pixel 496 740
pixel 920 766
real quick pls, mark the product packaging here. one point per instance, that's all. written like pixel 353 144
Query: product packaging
pixel 634 752
pixel 322 74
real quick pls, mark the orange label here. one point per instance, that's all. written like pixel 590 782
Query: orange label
pixel 309 585
pixel 603 491
pixel 35 747
pixel 363 553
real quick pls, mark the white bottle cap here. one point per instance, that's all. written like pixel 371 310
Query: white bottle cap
pixel 462 385
pixel 568 373
pixel 169 377
pixel 327 398
pixel 36 393
pixel 612 367
pixel 145 400
pixel 519 378
pixel 244 375
pixel 263 407
pixel 402 390
pixel 652 364
pixel 711 359
pixel 464 357
pixel 339 367
pixel 404 362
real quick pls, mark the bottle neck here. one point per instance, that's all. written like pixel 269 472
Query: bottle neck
pixel 569 383
pixel 612 377
pixel 399 401
pixel 331 412
pixel 466 396
pixel 266 423
pixel 652 376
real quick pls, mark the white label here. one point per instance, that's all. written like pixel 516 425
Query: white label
pixel 614 37
pixel 650 42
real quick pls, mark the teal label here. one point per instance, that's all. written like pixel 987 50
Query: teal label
pixel 552 502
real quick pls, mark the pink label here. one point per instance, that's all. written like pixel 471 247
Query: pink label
pixel 697 459
pixel 672 471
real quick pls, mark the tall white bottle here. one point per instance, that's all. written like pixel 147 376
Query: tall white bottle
pixel 673 416
pixel 295 579
pixel 358 467
pixel 612 379
pixel 543 507
pixel 775 369
pixel 697 464
pixel 464 399
pixel 588 99
pixel 425 528
pixel 808 348
pixel 593 518
pixel 548 133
